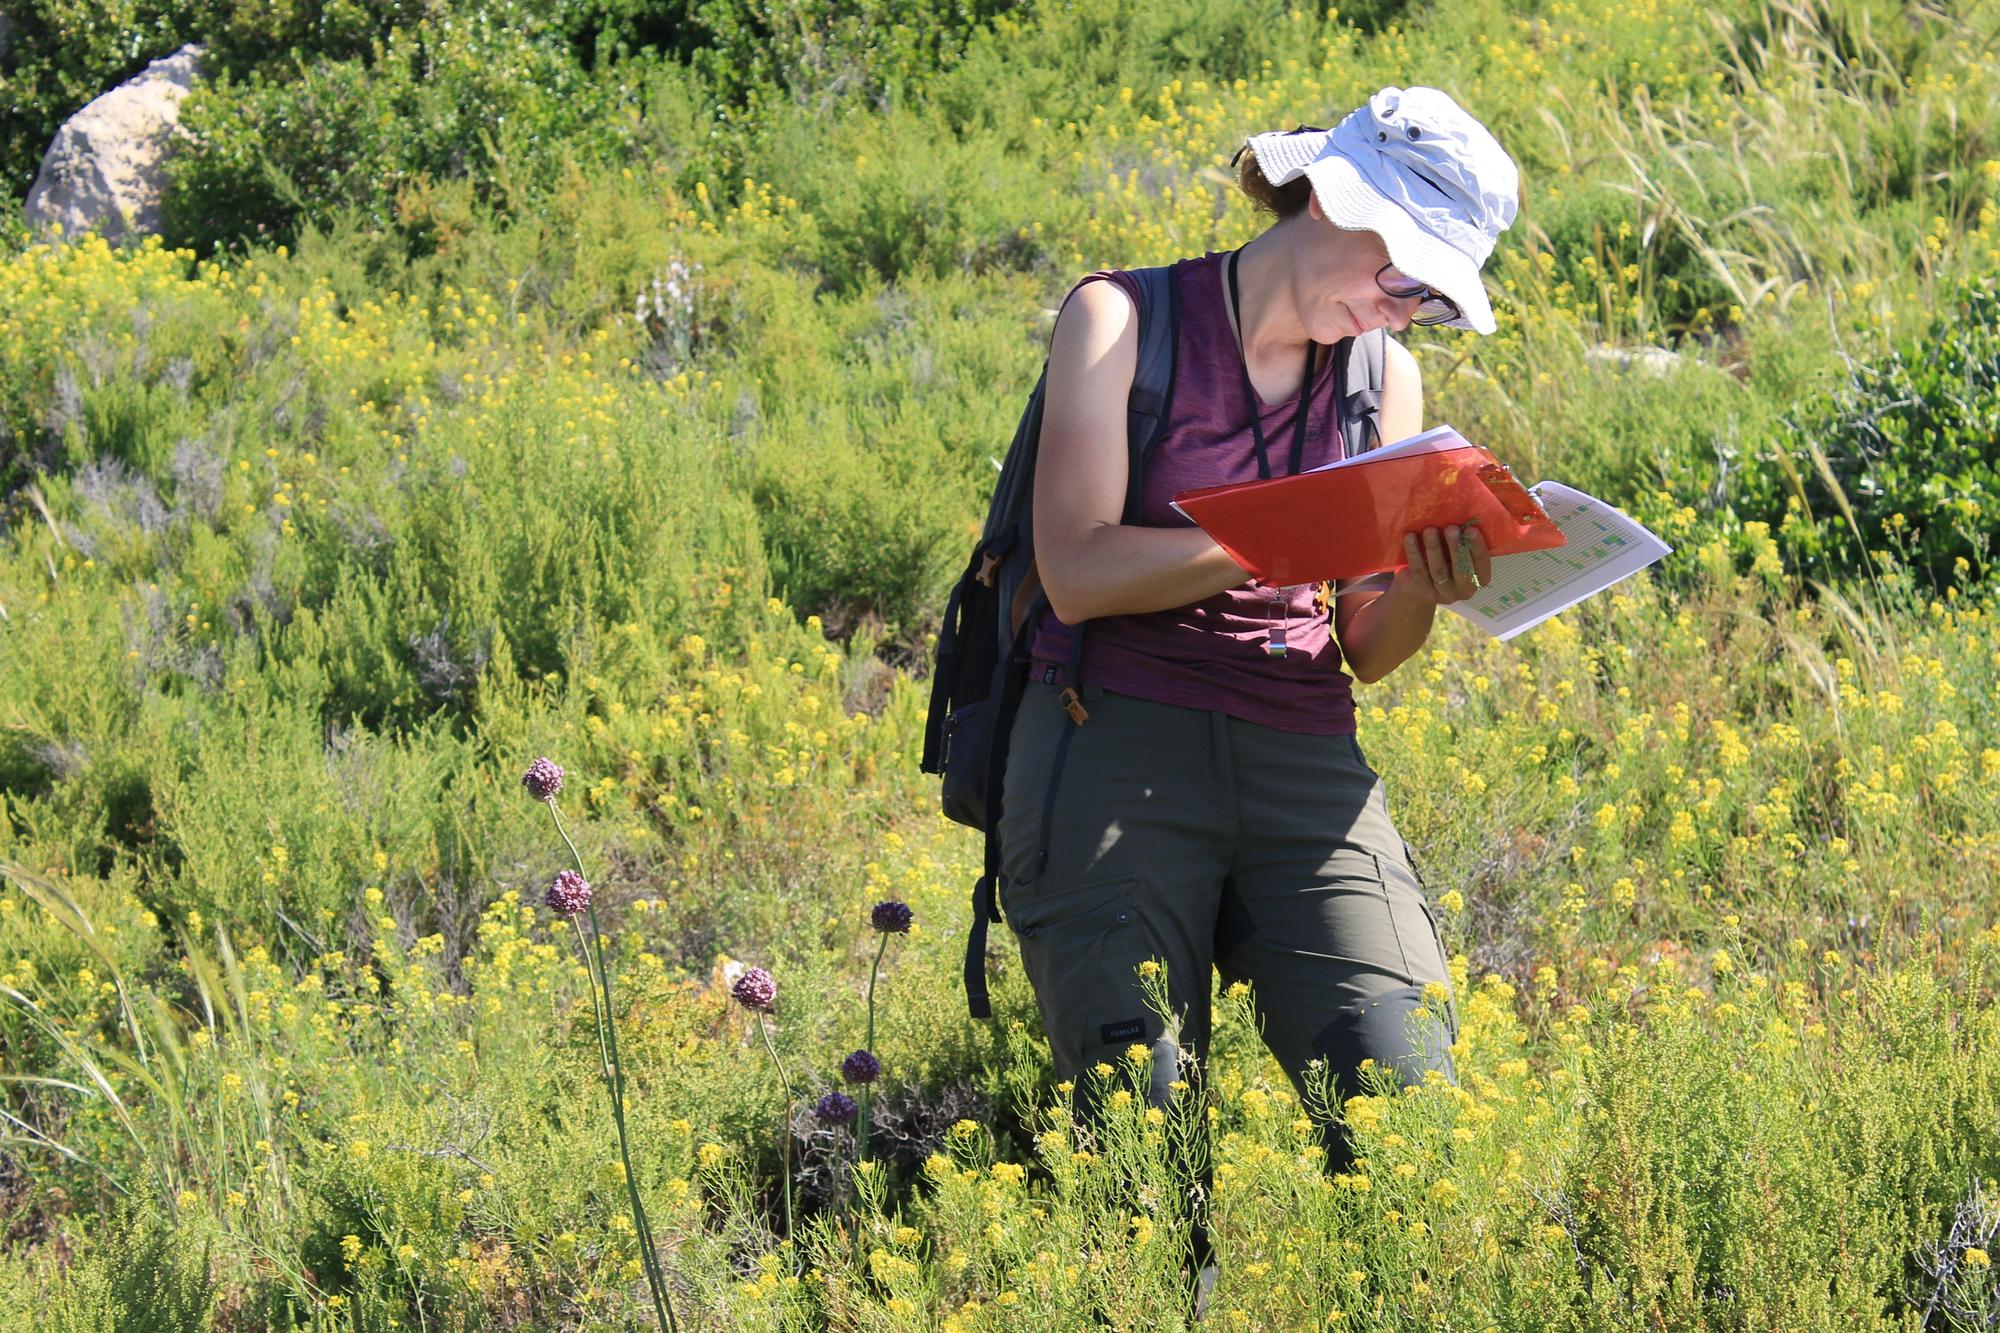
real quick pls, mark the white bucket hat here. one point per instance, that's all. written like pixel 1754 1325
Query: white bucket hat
pixel 1413 167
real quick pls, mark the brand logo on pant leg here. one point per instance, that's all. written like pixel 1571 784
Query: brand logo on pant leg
pixel 1129 1029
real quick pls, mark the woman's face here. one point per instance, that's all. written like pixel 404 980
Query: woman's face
pixel 1337 293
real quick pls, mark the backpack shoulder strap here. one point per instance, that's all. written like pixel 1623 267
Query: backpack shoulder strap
pixel 1360 374
pixel 1010 519
pixel 1152 378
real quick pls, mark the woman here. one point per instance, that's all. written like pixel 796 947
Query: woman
pixel 1214 810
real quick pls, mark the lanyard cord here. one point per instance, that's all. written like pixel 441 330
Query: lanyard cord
pixel 1250 392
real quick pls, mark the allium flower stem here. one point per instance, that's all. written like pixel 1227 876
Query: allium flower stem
pixel 614 1082
pixel 784 1138
pixel 868 1089
pixel 596 998
pixel 575 855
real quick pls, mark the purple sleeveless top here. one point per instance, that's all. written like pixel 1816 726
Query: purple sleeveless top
pixel 1211 654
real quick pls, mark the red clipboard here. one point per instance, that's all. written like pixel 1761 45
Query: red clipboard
pixel 1348 522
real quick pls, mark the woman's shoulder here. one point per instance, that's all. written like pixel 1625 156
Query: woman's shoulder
pixel 1130 282
pixel 1123 280
pixel 1095 299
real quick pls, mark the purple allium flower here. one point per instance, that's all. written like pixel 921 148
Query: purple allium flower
pixel 569 894
pixel 891 918
pixel 861 1067
pixel 543 778
pixel 755 990
pixel 836 1108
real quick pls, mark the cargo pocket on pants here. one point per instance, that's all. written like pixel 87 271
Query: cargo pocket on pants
pixel 1418 937
pixel 1082 947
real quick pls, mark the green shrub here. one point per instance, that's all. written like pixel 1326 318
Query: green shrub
pixel 148 1273
pixel 856 532
pixel 872 435
pixel 1703 1186
pixel 901 194
pixel 484 96
pixel 887 49
pixel 1903 455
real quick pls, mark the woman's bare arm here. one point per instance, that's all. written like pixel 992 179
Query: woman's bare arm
pixel 1091 564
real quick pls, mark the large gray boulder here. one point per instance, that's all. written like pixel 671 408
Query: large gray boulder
pixel 104 169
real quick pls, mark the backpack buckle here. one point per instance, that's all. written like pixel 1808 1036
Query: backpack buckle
pixel 989 566
pixel 1073 705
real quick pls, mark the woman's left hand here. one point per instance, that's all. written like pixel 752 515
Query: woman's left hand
pixel 1445 565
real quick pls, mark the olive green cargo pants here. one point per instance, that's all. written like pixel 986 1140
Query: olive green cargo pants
pixel 1202 840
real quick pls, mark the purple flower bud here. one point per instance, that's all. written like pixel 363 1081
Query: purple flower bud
pixel 861 1067
pixel 836 1108
pixel 755 990
pixel 891 918
pixel 543 778
pixel 569 894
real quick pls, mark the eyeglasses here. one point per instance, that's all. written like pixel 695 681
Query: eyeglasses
pixel 1434 308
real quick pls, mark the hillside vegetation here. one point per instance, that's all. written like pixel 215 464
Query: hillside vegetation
pixel 623 381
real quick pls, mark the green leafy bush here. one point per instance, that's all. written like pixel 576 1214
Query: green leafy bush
pixel 1903 455
pixel 482 97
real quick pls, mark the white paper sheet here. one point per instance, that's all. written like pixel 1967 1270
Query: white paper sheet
pixel 1605 546
pixel 1433 441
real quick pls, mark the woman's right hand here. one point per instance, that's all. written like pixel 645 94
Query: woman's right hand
pixel 1445 565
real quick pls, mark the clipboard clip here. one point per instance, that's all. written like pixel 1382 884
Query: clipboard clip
pixel 1512 495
